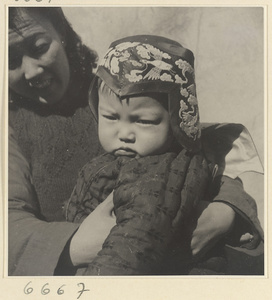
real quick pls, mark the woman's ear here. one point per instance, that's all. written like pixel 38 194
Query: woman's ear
pixel 63 42
pixel 63 37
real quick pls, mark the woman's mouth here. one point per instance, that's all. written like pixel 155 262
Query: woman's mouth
pixel 40 83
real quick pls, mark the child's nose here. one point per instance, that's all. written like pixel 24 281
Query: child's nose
pixel 126 134
pixel 31 67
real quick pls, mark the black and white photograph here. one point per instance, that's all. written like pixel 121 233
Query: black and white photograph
pixel 135 142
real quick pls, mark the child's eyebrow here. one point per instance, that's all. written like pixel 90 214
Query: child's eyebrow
pixel 146 111
pixel 103 107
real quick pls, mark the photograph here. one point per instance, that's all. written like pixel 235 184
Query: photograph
pixel 135 150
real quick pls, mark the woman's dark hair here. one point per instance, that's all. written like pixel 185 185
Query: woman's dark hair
pixel 81 59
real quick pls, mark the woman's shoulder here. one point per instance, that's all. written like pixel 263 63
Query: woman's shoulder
pixel 230 145
pixel 36 133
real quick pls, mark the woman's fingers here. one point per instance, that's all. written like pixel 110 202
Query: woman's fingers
pixel 216 220
pixel 91 234
pixel 107 205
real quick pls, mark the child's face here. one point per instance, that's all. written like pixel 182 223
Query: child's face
pixel 138 126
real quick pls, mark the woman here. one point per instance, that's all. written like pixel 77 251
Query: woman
pixel 50 128
pixel 49 75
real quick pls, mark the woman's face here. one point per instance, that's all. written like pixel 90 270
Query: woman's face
pixel 38 64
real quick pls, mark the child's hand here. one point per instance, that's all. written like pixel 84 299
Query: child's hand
pixel 215 221
pixel 91 234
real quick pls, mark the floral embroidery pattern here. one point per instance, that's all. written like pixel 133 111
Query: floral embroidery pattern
pixel 136 62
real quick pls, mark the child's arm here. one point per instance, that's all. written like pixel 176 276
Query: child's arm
pixel 153 197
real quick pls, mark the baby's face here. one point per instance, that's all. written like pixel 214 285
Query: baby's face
pixel 136 127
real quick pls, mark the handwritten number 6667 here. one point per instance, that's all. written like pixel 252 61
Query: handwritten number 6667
pixel 35 1
pixel 45 289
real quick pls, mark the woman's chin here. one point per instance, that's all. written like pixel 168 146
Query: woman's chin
pixel 43 101
pixel 49 101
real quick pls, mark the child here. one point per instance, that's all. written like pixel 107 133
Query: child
pixel 148 124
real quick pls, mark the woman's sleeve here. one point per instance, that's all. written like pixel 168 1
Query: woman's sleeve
pixel 232 193
pixel 231 152
pixel 35 246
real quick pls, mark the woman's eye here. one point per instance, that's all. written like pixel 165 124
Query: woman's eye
pixel 40 48
pixel 14 62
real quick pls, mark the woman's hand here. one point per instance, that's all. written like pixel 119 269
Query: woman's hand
pixel 215 220
pixel 91 234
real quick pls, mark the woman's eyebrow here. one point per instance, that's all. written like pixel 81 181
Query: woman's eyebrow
pixel 31 38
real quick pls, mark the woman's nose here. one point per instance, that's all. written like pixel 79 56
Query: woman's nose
pixel 31 67
pixel 126 134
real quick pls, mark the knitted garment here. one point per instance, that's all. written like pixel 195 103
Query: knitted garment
pixel 56 147
pixel 153 196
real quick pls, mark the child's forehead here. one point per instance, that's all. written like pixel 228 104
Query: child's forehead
pixel 140 101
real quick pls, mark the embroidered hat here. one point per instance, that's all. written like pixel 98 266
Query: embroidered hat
pixel 146 63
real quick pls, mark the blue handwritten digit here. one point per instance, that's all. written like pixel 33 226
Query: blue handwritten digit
pixel 83 289
pixel 28 290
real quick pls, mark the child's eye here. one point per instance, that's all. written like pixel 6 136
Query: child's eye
pixel 109 117
pixel 147 122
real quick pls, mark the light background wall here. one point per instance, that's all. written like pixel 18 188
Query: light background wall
pixel 228 44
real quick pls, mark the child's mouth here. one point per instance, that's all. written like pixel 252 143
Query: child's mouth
pixel 125 152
